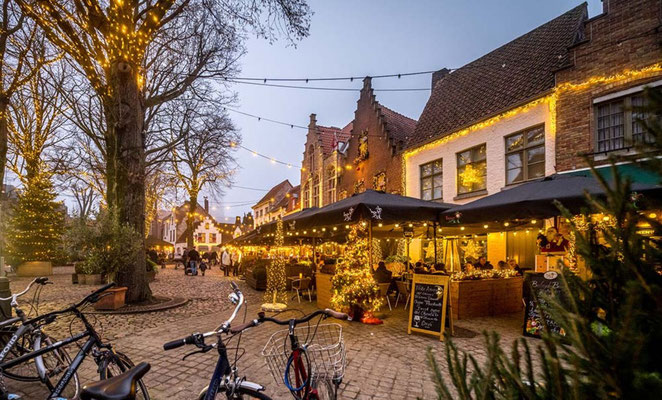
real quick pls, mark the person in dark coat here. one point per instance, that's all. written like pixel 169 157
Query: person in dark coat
pixel 193 260
pixel 382 275
pixel 483 264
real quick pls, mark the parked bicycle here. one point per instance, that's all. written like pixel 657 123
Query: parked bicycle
pixel 110 362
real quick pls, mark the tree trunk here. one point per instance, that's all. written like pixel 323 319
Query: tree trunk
pixel 126 183
pixel 4 106
pixel 190 219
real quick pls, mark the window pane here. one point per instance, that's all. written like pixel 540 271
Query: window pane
pixel 535 155
pixel 464 158
pixel 514 161
pixel 478 153
pixel 426 170
pixel 482 169
pixel 427 194
pixel 426 183
pixel 514 175
pixel 437 193
pixel 437 167
pixel 536 135
pixel 536 170
pixel 438 181
pixel 514 142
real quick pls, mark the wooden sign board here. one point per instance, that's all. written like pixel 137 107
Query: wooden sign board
pixel 427 310
pixel 537 287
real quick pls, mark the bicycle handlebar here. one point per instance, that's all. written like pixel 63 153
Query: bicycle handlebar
pixel 180 342
pixel 39 281
pixel 328 312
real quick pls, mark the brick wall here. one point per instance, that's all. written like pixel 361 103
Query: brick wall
pixel 382 156
pixel 627 36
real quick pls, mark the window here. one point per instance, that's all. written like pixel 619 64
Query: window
pixel 311 158
pixel 618 123
pixel 431 180
pixel 306 196
pixel 331 184
pixel 525 155
pixel 471 170
pixel 212 238
pixel 207 225
pixel 200 238
pixel 316 191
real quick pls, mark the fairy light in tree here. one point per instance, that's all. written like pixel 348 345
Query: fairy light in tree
pixel 275 297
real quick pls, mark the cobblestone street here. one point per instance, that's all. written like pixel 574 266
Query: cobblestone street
pixel 382 361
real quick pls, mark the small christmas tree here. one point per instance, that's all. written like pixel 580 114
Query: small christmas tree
pixel 37 223
pixel 276 295
pixel 353 284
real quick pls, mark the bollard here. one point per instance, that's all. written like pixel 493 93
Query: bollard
pixel 5 291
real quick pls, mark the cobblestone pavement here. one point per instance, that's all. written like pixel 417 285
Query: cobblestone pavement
pixel 383 362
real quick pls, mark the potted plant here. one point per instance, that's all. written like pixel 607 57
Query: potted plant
pixel 111 299
pixel 152 269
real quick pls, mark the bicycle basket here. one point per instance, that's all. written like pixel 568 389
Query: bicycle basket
pixel 325 350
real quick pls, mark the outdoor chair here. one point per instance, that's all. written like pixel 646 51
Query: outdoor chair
pixel 403 290
pixel 301 286
pixel 383 292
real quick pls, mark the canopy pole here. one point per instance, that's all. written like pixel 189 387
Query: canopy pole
pixel 314 254
pixel 434 235
pixel 370 242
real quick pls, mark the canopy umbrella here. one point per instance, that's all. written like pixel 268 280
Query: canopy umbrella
pixel 370 205
pixel 535 199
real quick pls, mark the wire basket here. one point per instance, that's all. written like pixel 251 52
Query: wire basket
pixel 325 350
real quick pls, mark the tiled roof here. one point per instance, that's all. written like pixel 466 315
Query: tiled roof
pixel 516 72
pixel 399 126
pixel 327 139
pixel 271 194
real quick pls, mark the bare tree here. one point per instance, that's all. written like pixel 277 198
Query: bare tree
pixel 85 197
pixel 204 157
pixel 109 39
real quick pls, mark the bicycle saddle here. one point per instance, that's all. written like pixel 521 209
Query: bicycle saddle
pixel 120 387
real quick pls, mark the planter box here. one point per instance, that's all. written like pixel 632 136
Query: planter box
pixel 151 276
pixel 90 279
pixel 74 278
pixel 112 301
pixel 486 297
pixel 35 268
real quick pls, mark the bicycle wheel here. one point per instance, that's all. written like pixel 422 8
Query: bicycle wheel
pixel 55 364
pixel 24 372
pixel 117 363
pixel 239 394
pixel 325 388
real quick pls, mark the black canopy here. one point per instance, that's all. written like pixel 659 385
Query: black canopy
pixel 536 200
pixel 370 205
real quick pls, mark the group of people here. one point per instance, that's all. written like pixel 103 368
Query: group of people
pixel 483 264
pixel 193 261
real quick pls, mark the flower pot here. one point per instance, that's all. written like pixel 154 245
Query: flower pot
pixel 35 268
pixel 90 279
pixel 111 299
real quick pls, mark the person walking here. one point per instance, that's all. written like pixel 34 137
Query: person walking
pixel 226 262
pixel 193 259
pixel 236 259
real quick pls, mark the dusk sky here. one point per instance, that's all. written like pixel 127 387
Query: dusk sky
pixel 359 38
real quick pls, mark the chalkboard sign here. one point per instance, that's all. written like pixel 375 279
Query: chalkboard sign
pixel 427 311
pixel 537 288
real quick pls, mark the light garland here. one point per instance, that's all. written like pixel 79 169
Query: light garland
pixel 276 281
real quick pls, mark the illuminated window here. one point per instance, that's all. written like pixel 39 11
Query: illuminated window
pixel 471 170
pixel 431 180
pixel 212 238
pixel 525 155
pixel 201 238
pixel 316 191
pixel 207 225
pixel 331 184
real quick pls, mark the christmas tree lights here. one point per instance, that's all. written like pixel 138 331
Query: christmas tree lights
pixel 353 285
pixel 35 229
pixel 276 295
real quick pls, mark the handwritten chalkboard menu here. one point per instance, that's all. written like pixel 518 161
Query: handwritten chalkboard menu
pixel 427 312
pixel 538 287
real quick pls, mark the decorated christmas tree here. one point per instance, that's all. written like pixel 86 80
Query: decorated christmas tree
pixel 37 223
pixel 353 284
pixel 276 295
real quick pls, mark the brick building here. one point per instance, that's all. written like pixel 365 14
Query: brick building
pixel 620 53
pixel 365 154
pixel 269 207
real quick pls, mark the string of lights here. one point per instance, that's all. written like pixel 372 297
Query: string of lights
pixel 326 88
pixel 256 154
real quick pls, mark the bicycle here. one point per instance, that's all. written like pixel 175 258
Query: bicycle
pixel 110 362
pixel 225 379
pixel 312 370
pixel 17 341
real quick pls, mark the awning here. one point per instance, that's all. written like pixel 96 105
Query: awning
pixel 376 206
pixel 535 200
pixel 151 241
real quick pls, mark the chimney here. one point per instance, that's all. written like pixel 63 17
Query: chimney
pixel 313 120
pixel 367 82
pixel 438 75
pixel 206 204
pixel 605 6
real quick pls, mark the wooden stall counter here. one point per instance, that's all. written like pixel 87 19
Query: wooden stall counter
pixel 486 297
pixel 323 288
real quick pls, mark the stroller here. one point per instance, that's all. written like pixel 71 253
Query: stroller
pixel 191 269
pixel 203 267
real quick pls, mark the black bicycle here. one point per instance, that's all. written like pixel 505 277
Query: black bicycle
pixel 110 362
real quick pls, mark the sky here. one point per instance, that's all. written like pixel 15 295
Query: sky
pixel 360 38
